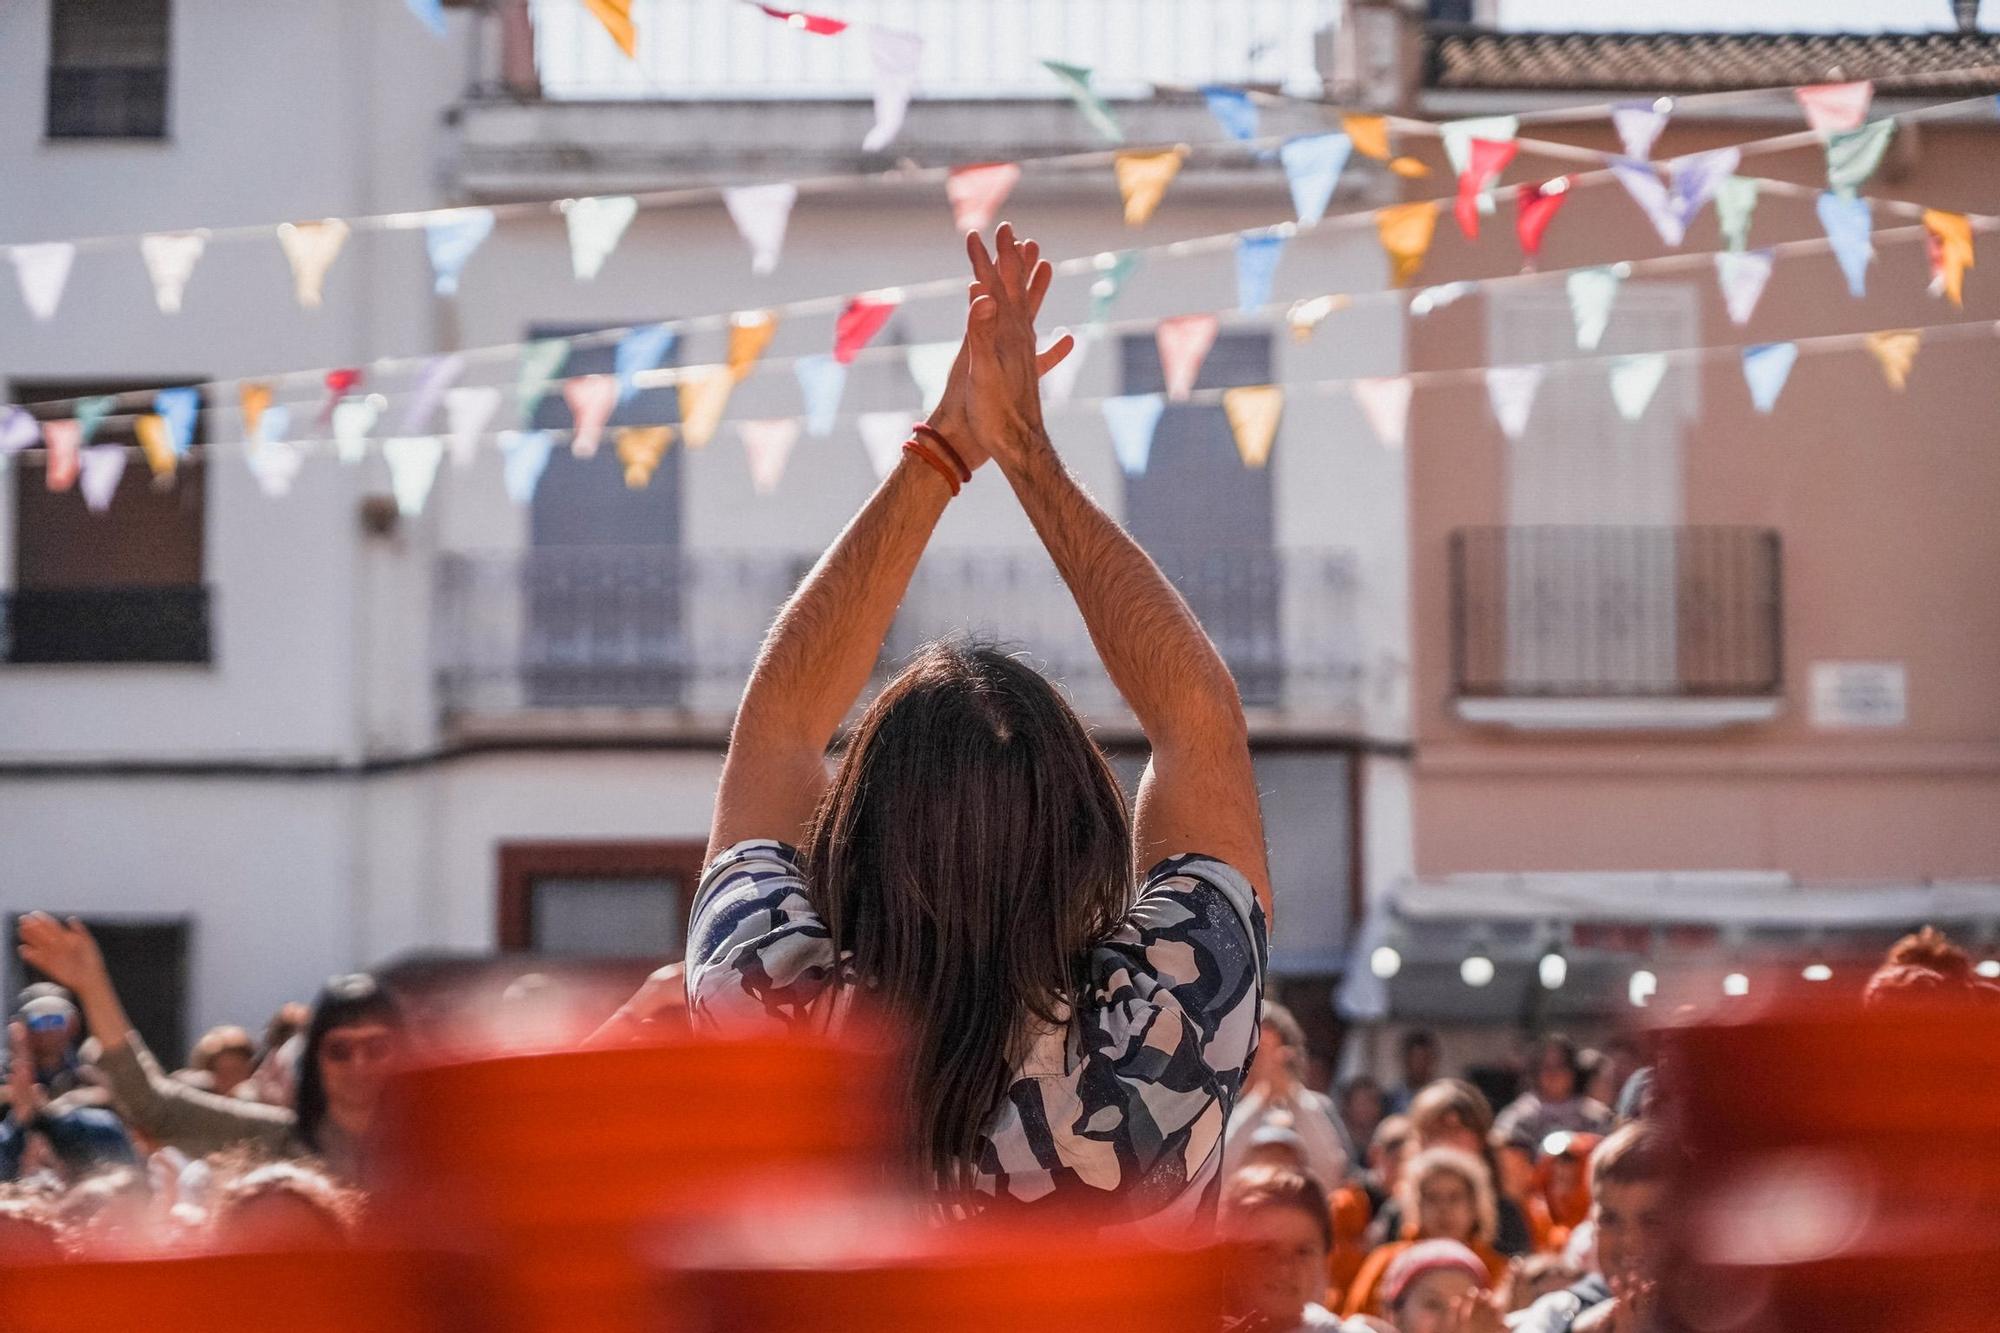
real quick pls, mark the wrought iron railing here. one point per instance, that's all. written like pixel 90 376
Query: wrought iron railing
pixel 656 627
pixel 124 624
pixel 1617 612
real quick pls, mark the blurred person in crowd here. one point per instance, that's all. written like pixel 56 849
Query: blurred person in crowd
pixel 1279 1219
pixel 74 1135
pixel 1419 1050
pixel 350 1046
pixel 274 1081
pixel 30 1232
pixel 1617 1060
pixel 1274 1094
pixel 1357 1200
pixel 54 1029
pixel 1451 1113
pixel 1447 1194
pixel 1392 1144
pixel 1518 1178
pixel 1533 1277
pixel 1926 968
pixel 1362 1107
pixel 1437 1286
pixel 283 1205
pixel 1562 1183
pixel 1273 1146
pixel 1627 1218
pixel 1555 1100
pixel 970 863
pixel 221 1060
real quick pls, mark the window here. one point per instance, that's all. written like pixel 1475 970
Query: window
pixel 148 960
pixel 598 899
pixel 121 586
pixel 108 69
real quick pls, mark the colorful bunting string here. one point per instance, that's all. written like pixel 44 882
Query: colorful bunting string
pixel 1312 172
pixel 1766 367
pixel 1143 178
pixel 1184 342
pixel 977 193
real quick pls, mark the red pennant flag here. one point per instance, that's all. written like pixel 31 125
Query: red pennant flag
pixel 1536 207
pixel 977 192
pixel 339 383
pixel 1485 161
pixel 814 23
pixel 862 320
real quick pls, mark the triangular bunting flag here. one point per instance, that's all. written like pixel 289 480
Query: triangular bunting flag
pixel 977 192
pixel 170 259
pixel 596 224
pixel 1742 275
pixel 1735 201
pixel 1233 110
pixel 451 240
pixel 1692 180
pixel 1642 181
pixel 704 393
pixel 1832 107
pixel 1634 381
pixel 1511 391
pixel 1385 401
pixel 591 399
pixel 1459 134
pixel 1592 292
pixel 1409 168
pixel 310 248
pixel 640 449
pixel 882 435
pixel 253 399
pixel 1184 341
pixel 1896 351
pixel 1849 225
pixel 1406 231
pixel 1312 170
pixel 413 467
pixel 353 420
pixel 275 463
pixel 761 213
pixel 1948 240
pixel 767 444
pixel 1853 155
pixel 1765 369
pixel 1132 419
pixel 103 467
pixel 541 363
pixel 750 332
pixel 1535 208
pixel 156 443
pixel 896 55
pixel 640 350
pixel 180 408
pixel 860 321
pixel 43 269
pixel 1257 255
pixel 930 366
pixel 91 411
pixel 1305 317
pixel 1143 179
pixel 1639 124
pixel 339 383
pixel 1114 269
pixel 822 379
pixel 18 430
pixel 524 456
pixel 1076 82
pixel 1253 413
pixel 616 16
pixel 468 411
pixel 1060 382
pixel 439 374
pixel 817 24
pixel 64 442
pixel 1486 159
pixel 1369 134
pixel 430 13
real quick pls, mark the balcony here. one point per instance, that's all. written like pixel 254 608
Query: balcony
pixel 1599 628
pixel 565 639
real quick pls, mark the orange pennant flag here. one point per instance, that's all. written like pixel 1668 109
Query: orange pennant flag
pixel 750 332
pixel 1409 168
pixel 1253 413
pixel 1143 179
pixel 1406 231
pixel 253 397
pixel 616 16
pixel 157 443
pixel 704 393
pixel 1370 135
pixel 1948 236
pixel 1896 349
pixel 640 449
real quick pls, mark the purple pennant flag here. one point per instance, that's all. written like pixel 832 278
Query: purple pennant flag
pixel 1695 178
pixel 1643 183
pixel 439 374
pixel 18 430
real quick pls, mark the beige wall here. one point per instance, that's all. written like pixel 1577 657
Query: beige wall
pixel 1884 503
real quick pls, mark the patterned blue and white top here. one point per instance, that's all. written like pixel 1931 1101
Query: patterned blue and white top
pixel 1127 1101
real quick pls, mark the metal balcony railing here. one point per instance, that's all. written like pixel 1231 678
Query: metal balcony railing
pixel 1616 612
pixel 657 627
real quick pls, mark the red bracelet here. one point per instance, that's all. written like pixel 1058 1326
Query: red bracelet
pixel 943 469
pixel 926 430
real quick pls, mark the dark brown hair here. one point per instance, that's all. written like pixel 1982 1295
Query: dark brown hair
pixel 1257 1187
pixel 1631 1155
pixel 971 849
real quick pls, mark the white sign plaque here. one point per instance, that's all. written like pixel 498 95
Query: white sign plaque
pixel 1860 694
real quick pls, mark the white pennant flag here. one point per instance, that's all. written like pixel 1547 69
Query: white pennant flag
pixel 1385 401
pixel 882 435
pixel 413 467
pixel 467 413
pixel 596 225
pixel 311 248
pixel 170 259
pixel 761 213
pixel 1742 274
pixel 930 366
pixel 1459 134
pixel 1634 381
pixel 353 418
pixel 1591 294
pixel 103 468
pixel 895 54
pixel 1060 382
pixel 43 268
pixel 1639 124
pixel 1511 390
pixel 768 445
pixel 273 460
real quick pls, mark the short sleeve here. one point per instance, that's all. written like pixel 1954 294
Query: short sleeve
pixel 758 955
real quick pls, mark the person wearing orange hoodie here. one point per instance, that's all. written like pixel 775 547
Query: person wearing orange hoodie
pixel 1446 1195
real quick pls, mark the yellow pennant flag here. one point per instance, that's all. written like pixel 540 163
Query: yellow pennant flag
pixel 704 392
pixel 157 443
pixel 1406 231
pixel 1949 238
pixel 750 332
pixel 1409 168
pixel 616 16
pixel 1370 135
pixel 253 397
pixel 1896 349
pixel 1253 413
pixel 1143 179
pixel 640 449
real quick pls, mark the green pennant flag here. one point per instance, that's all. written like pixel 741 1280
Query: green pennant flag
pixel 1076 78
pixel 1853 155
pixel 541 362
pixel 90 413
pixel 1113 271
pixel 1735 201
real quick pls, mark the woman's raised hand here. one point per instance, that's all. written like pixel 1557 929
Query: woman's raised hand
pixel 65 952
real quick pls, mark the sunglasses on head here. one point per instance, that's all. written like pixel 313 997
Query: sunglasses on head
pixel 340 1049
pixel 47 1023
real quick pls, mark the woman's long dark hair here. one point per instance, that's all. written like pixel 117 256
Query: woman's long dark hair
pixel 344 1002
pixel 972 848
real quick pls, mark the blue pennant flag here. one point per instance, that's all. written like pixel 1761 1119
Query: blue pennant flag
pixel 179 407
pixel 1848 225
pixel 1233 110
pixel 1132 420
pixel 452 240
pixel 821 382
pixel 641 349
pixel 430 13
pixel 1256 264
pixel 1312 168
pixel 524 456
pixel 1765 369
